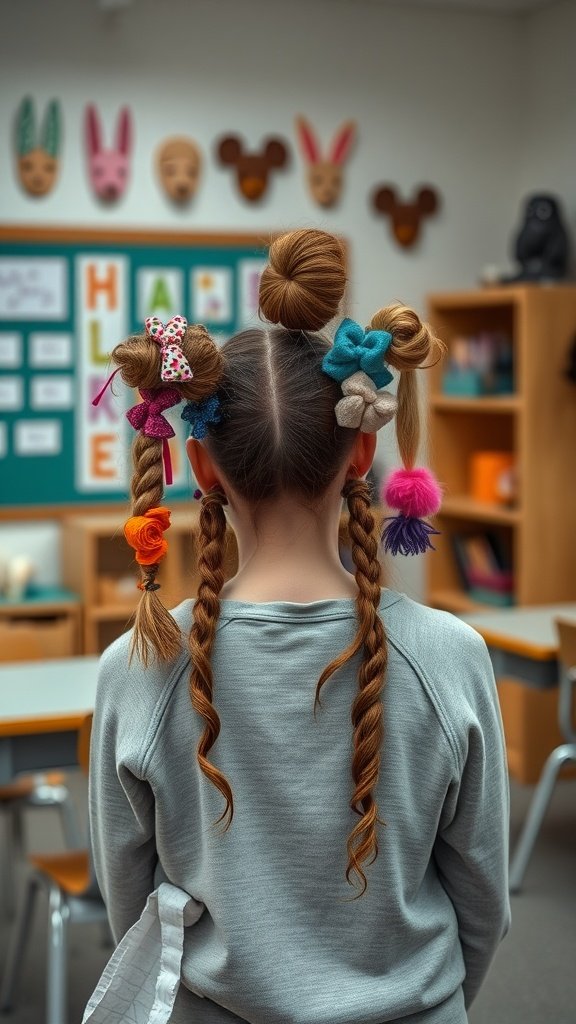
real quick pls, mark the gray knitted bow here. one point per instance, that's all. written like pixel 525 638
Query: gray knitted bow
pixel 363 406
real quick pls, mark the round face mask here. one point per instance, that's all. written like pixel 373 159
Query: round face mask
pixel 178 164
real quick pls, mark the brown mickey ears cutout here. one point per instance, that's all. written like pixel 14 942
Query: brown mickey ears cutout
pixel 405 217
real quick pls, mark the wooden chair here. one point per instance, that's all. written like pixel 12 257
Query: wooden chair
pixel 73 896
pixel 560 756
pixel 39 789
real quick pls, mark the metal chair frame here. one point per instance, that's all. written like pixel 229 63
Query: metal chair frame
pixel 561 755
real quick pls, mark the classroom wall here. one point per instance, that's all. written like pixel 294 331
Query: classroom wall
pixel 438 95
pixel 549 108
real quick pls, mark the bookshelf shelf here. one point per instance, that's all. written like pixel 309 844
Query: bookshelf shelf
pixel 484 404
pixel 463 507
pixel 536 424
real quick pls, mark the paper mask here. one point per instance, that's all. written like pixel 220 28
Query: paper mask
pixel 405 217
pixel 252 169
pixel 178 166
pixel 108 169
pixel 325 176
pixel 38 163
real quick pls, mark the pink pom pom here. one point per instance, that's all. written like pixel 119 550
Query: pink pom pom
pixel 415 492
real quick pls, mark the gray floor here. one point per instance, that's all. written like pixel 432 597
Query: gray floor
pixel 532 981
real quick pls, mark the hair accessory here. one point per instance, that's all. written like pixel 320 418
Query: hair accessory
pixel 416 493
pixel 200 414
pixel 363 406
pixel 175 366
pixel 148 585
pixel 147 417
pixel 144 534
pixel 98 397
pixel 356 349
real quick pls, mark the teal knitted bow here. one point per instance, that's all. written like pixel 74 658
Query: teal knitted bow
pixel 356 349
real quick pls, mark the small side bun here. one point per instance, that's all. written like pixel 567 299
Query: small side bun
pixel 303 284
pixel 412 341
pixel 139 358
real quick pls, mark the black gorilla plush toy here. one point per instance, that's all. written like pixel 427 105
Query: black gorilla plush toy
pixel 542 244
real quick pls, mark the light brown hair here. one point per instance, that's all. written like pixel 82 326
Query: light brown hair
pixel 278 434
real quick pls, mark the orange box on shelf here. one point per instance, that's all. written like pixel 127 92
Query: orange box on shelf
pixel 492 477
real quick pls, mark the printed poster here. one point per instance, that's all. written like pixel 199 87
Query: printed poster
pixel 212 295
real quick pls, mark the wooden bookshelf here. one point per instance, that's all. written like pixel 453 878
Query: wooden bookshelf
pixel 536 422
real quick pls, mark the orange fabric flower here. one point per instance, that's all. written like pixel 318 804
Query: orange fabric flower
pixel 144 534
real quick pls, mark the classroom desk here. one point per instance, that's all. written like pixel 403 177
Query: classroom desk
pixel 522 641
pixel 42 705
pixel 523 645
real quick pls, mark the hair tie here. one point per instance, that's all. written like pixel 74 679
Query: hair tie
pixel 356 349
pixel 175 366
pixel 416 493
pixel 148 585
pixel 145 535
pixel 200 414
pixel 363 406
pixel 147 416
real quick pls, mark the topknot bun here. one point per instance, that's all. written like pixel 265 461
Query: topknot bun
pixel 303 284
pixel 412 341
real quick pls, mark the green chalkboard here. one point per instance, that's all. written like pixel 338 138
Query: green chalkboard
pixel 66 298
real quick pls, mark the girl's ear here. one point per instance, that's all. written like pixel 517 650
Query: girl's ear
pixel 362 455
pixel 202 466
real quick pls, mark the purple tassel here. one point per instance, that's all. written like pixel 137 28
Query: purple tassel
pixel 407 535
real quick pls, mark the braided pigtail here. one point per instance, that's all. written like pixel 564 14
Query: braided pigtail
pixel 155 631
pixel 212 543
pixel 167 364
pixel 367 708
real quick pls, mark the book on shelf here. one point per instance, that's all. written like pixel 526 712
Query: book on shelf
pixel 484 567
pixel 481 364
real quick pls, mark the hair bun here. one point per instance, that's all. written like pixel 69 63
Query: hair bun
pixel 303 284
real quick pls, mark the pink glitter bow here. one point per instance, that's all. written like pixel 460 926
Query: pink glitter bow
pixel 147 417
pixel 175 366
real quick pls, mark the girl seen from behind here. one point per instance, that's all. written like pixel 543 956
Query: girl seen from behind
pixel 350 736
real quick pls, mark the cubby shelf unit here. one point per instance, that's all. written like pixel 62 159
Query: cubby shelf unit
pixel 536 422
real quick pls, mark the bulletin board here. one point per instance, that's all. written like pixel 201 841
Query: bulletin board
pixel 66 299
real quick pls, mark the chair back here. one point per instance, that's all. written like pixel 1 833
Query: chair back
pixel 566 630
pixel 83 748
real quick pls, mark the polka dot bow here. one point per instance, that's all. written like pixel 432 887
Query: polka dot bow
pixel 175 366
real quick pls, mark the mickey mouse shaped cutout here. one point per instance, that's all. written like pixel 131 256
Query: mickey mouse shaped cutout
pixel 406 217
pixel 38 162
pixel 108 169
pixel 178 165
pixel 325 174
pixel 252 169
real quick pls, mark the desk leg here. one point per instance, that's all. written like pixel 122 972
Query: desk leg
pixel 560 756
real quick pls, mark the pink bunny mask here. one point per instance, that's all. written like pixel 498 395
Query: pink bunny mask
pixel 108 169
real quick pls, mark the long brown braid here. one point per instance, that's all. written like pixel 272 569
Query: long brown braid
pixel 367 713
pixel 211 540
pixel 154 627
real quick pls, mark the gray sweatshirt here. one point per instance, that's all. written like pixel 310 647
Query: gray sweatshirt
pixel 277 942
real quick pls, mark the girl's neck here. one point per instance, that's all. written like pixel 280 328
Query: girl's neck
pixel 289 554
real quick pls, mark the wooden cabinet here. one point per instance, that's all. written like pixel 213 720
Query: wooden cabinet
pixel 99 565
pixel 45 626
pixel 535 421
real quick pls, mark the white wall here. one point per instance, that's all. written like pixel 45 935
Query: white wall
pixel 439 97
pixel 548 158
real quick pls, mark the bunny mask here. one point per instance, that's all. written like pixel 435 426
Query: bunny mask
pixel 38 160
pixel 108 169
